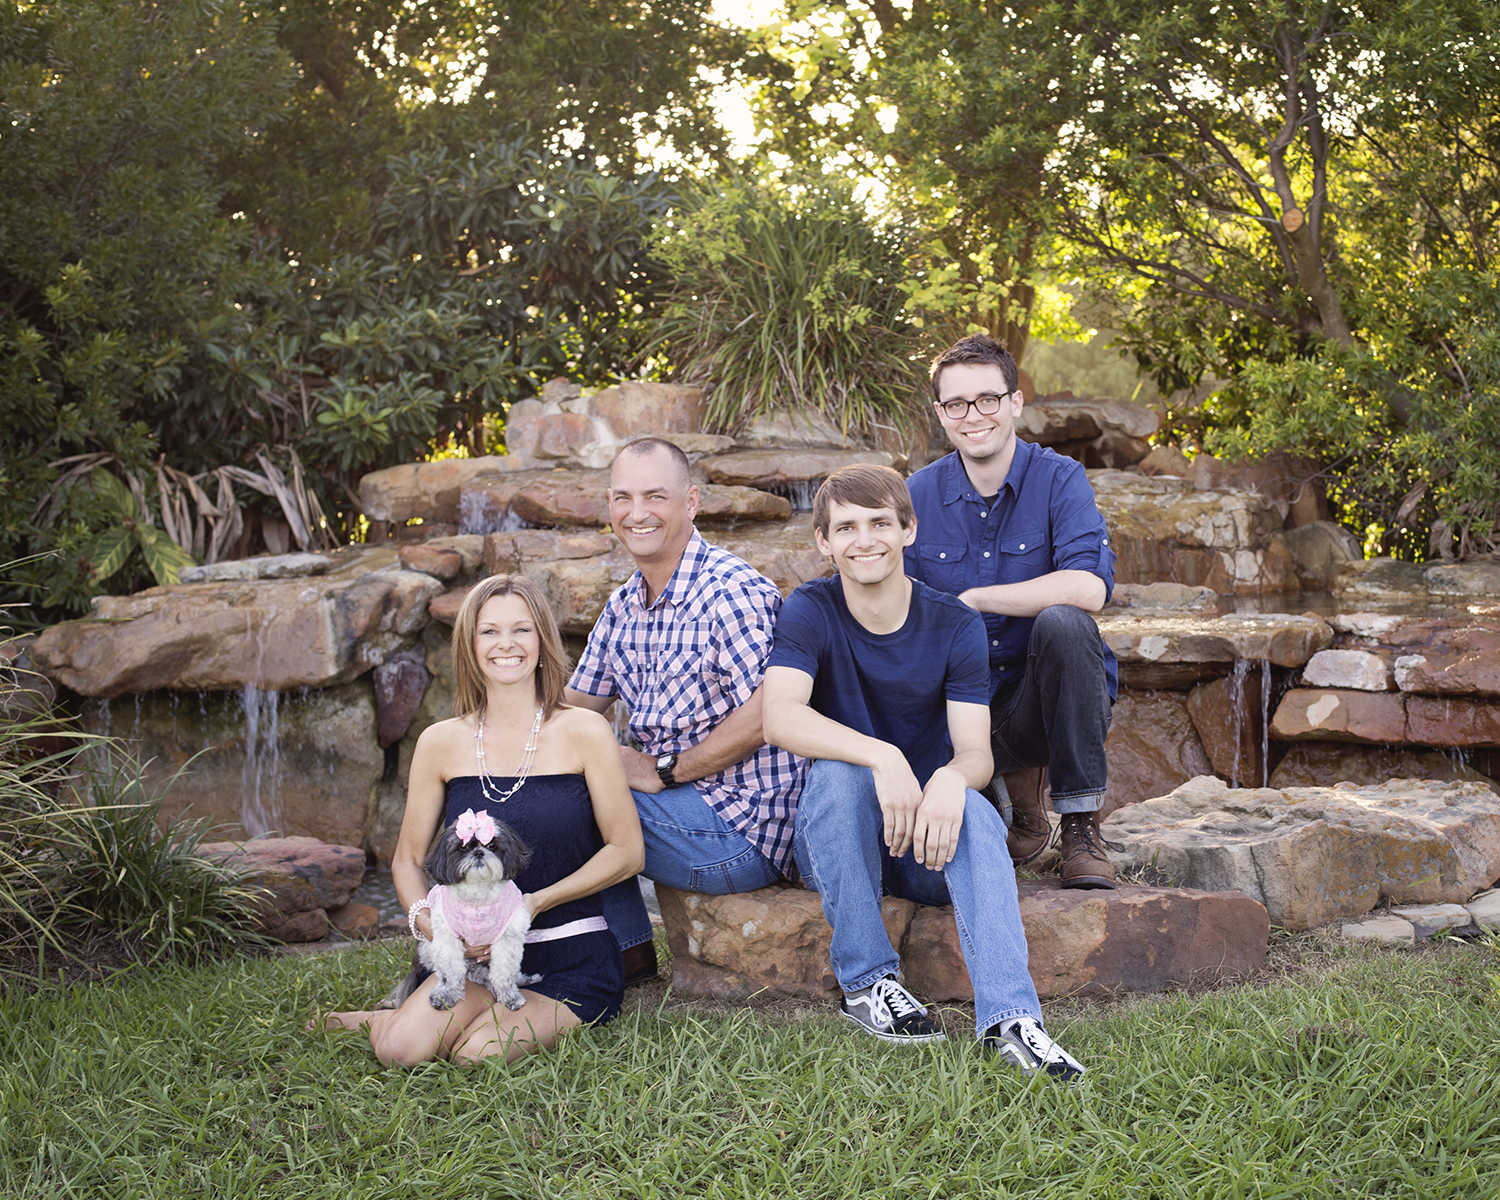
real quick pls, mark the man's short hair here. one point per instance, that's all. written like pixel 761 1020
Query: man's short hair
pixel 648 445
pixel 865 486
pixel 976 349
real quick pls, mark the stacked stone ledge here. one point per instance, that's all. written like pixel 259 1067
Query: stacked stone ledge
pixel 353 645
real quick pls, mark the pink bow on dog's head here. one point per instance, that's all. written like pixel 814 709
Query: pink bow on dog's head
pixel 472 826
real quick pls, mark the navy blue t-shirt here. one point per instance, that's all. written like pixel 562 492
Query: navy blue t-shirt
pixel 892 686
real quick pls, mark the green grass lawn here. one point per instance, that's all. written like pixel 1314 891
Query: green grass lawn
pixel 1341 1073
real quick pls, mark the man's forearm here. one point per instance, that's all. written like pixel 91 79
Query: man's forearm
pixel 1081 589
pixel 801 729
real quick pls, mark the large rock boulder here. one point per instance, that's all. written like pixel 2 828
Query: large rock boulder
pixel 1324 764
pixel 273 634
pixel 1163 649
pixel 303 878
pixel 1311 855
pixel 1161 529
pixel 1098 432
pixel 577 498
pixel 303 763
pixel 1386 718
pixel 429 490
pixel 1152 747
pixel 1133 939
pixel 778 470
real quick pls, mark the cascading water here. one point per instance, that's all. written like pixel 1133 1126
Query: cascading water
pixel 475 515
pixel 799 493
pixel 1265 722
pixel 1236 688
pixel 260 807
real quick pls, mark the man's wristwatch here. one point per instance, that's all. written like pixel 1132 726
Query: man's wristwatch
pixel 665 763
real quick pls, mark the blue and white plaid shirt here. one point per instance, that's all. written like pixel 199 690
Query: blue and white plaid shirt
pixel 683 664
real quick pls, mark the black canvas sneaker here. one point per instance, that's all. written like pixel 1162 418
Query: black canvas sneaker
pixel 888 1011
pixel 1024 1043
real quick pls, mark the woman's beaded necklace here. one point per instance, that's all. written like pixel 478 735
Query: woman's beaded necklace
pixel 492 791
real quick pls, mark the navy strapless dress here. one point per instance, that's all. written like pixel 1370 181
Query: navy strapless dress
pixel 555 818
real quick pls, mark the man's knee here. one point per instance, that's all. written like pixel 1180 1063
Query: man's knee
pixel 832 784
pixel 1063 623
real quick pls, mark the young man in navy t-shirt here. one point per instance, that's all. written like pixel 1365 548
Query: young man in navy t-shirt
pixel 884 683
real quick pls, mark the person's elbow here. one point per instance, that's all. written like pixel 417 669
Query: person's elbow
pixel 1092 592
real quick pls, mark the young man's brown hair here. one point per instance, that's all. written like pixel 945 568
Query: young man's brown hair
pixel 865 486
pixel 976 349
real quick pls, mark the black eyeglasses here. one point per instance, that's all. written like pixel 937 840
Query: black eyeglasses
pixel 986 404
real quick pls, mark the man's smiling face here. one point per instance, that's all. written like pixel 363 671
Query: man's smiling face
pixel 865 544
pixel 978 436
pixel 651 505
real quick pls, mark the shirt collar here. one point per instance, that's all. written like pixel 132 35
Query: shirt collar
pixel 954 483
pixel 680 585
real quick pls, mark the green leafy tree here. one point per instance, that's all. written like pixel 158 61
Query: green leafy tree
pixel 1302 198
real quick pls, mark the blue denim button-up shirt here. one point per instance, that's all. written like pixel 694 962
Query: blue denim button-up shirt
pixel 1044 519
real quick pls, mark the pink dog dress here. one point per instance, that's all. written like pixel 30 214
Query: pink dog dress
pixel 477 924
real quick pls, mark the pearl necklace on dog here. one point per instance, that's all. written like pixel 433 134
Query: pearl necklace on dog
pixel 491 791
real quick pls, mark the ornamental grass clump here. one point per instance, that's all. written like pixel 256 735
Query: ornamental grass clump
pixel 786 297
pixel 86 876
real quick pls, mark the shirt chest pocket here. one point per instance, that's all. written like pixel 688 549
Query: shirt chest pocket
pixel 949 566
pixel 1023 555
pixel 680 657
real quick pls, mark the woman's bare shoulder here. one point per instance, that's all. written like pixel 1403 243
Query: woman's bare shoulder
pixel 443 738
pixel 585 723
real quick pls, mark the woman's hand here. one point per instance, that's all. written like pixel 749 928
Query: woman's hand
pixel 477 953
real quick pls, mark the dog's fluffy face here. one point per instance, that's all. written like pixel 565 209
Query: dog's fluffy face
pixel 452 862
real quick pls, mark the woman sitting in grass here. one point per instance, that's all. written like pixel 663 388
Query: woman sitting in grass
pixel 568 801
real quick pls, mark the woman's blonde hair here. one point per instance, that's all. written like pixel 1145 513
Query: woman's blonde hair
pixel 552 666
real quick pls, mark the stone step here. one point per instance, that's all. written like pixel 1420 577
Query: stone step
pixel 1081 942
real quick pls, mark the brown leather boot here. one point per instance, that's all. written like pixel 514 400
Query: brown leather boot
pixel 1030 831
pixel 1084 864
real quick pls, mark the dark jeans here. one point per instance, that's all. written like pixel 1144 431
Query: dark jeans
pixel 1057 716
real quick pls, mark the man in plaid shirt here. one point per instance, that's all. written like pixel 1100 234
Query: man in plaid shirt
pixel 683 642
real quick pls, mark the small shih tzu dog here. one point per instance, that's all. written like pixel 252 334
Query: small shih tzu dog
pixel 474 899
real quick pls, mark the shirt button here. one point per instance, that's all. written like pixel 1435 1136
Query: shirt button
pixel 984 514
pixel 996 642
pixel 1023 545
pixel 942 554
pixel 986 554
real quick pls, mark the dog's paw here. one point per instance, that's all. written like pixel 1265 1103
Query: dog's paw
pixel 527 980
pixel 443 1000
pixel 513 999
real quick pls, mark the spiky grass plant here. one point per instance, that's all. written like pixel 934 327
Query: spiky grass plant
pixel 786 297
pixel 84 870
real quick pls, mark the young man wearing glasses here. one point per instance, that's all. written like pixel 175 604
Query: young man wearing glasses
pixel 1012 529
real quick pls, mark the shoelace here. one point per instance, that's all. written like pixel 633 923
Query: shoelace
pixel 895 999
pixel 1036 1041
pixel 1087 832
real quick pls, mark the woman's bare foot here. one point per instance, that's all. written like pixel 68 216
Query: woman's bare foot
pixel 354 1022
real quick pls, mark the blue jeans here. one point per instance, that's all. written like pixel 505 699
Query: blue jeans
pixel 688 847
pixel 841 852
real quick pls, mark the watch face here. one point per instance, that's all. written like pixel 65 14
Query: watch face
pixel 663 761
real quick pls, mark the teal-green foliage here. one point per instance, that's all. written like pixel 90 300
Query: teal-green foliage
pixel 1369 1075
pixel 1427 487
pixel 146 318
pixel 786 295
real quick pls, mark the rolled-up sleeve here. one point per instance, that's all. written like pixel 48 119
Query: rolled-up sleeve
pixel 1080 539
